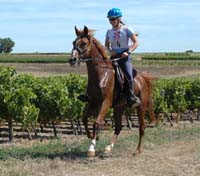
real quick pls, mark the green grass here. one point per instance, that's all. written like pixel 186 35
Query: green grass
pixel 78 149
pixel 160 136
pixel 172 57
pixel 50 150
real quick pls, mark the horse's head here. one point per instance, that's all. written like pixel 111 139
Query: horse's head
pixel 81 46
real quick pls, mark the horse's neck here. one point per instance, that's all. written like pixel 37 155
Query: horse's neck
pixel 96 61
pixel 93 67
pixel 97 66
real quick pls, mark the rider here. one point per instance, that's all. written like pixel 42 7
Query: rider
pixel 120 42
pixel 117 42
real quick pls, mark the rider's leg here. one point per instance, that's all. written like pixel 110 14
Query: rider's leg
pixel 132 98
pixel 127 68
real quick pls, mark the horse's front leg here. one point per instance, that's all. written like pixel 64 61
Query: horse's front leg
pixel 97 125
pixel 90 111
pixel 141 118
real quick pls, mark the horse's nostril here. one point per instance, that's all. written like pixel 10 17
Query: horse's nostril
pixel 73 61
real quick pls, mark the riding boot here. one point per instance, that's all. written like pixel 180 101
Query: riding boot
pixel 120 99
pixel 83 97
pixel 132 99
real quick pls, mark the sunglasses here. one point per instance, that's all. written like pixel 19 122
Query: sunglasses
pixel 112 19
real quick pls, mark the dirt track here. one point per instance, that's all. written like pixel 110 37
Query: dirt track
pixel 177 158
pixel 174 159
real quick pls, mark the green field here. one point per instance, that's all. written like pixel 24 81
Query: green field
pixel 192 59
pixel 34 58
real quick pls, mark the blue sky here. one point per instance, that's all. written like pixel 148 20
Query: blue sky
pixel 48 25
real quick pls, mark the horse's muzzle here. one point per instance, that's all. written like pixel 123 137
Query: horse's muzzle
pixel 74 61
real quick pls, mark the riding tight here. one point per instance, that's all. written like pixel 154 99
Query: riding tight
pixel 127 67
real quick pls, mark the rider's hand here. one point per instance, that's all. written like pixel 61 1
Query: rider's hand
pixel 113 53
pixel 124 55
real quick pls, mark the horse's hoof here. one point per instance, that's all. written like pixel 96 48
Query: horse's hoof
pixel 91 153
pixel 108 149
pixel 137 152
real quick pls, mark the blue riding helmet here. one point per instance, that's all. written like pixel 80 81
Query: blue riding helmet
pixel 114 13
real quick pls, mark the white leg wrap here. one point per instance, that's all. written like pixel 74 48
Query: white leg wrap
pixel 93 143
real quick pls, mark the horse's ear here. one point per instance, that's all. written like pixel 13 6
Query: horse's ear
pixel 85 30
pixel 77 31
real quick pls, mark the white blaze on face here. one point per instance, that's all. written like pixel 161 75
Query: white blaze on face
pixel 74 53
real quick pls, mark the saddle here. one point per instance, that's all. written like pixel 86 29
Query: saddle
pixel 120 78
pixel 121 83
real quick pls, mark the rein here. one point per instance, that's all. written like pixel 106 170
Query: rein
pixel 100 66
pixel 90 59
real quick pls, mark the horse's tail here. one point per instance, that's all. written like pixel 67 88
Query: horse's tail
pixel 149 81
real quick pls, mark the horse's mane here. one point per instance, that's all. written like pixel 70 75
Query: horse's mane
pixel 101 49
pixel 98 44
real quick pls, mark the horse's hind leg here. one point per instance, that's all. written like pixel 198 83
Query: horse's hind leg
pixel 151 112
pixel 118 112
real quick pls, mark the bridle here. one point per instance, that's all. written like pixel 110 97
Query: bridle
pixel 81 52
pixel 78 49
pixel 77 58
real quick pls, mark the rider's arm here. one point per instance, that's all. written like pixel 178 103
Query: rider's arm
pixel 135 42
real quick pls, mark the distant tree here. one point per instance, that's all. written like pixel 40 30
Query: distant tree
pixel 1 46
pixel 6 45
pixel 189 51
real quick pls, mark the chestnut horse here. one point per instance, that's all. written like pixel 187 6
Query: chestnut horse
pixel 102 89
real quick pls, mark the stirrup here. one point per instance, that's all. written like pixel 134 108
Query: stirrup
pixel 133 102
pixel 83 98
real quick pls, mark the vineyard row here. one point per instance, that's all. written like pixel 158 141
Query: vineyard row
pixel 31 100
